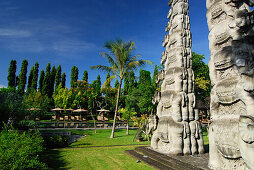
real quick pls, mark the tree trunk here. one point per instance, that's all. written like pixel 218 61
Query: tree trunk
pixel 117 102
pixel 94 124
pixel 127 129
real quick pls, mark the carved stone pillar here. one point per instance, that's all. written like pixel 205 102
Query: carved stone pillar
pixel 178 129
pixel 231 133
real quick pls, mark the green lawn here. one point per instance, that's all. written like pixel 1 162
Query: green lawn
pixel 98 151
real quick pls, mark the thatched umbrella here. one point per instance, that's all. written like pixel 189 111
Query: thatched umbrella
pixel 33 109
pixel 69 111
pixel 80 111
pixel 102 111
pixel 56 110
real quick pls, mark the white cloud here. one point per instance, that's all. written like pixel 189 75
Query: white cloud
pixel 14 33
pixel 72 46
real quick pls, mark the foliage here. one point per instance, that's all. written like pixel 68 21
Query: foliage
pixel 20 151
pixel 63 98
pixel 22 77
pixel 38 101
pixel 140 98
pixel 42 75
pixel 12 109
pixel 127 114
pixel 155 74
pixel 56 141
pixel 110 97
pixel 74 76
pixel 202 79
pixel 12 74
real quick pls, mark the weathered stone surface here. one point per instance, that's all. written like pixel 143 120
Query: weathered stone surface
pixel 231 37
pixel 177 130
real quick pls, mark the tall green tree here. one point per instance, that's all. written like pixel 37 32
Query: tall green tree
pixel 58 76
pixel 35 76
pixel 52 80
pixel 63 80
pixel 98 86
pixel 131 81
pixel 74 76
pixel 12 74
pixel 46 81
pixel 30 79
pixel 22 77
pixel 107 85
pixel 140 98
pixel 126 85
pixel 42 75
pixel 121 61
pixel 85 76
pixel 202 79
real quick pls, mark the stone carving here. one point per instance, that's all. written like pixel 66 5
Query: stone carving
pixel 231 65
pixel 178 130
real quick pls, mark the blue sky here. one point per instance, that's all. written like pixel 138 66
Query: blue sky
pixel 73 32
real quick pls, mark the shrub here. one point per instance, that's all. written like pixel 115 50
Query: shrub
pixel 56 141
pixel 20 150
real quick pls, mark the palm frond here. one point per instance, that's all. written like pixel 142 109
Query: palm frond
pixel 108 81
pixel 110 59
pixel 102 68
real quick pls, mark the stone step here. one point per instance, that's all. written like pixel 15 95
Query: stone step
pixel 165 159
pixel 155 164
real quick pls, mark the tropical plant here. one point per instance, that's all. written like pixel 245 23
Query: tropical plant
pixel 121 61
pixel 127 115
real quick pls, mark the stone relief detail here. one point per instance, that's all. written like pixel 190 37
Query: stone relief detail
pixel 231 37
pixel 178 130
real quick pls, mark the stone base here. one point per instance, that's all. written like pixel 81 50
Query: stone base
pixel 163 161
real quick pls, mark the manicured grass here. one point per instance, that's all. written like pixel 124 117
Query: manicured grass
pixel 96 151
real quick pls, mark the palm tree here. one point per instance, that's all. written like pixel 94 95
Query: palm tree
pixel 121 61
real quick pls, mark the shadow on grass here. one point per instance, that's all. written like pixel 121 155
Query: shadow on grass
pixel 53 159
pixel 80 144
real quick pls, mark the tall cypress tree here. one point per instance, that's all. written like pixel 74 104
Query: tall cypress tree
pixel 107 85
pixel 22 77
pixel 46 81
pixel 131 82
pixel 35 76
pixel 12 74
pixel 52 80
pixel 63 80
pixel 58 76
pixel 126 85
pixel 144 77
pixel 85 76
pixel 98 86
pixel 42 75
pixel 74 76
pixel 30 79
